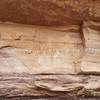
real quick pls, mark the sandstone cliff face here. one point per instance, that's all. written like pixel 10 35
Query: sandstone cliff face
pixel 45 44
pixel 68 40
pixel 41 49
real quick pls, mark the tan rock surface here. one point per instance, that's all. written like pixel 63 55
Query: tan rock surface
pixel 71 45
pixel 52 49
pixel 90 61
pixel 40 49
pixel 43 62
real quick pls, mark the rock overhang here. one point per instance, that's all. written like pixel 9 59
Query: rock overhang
pixel 49 12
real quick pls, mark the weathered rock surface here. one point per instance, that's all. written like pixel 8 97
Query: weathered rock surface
pixel 75 46
pixel 67 42
pixel 90 61
pixel 49 87
pixel 49 12
pixel 40 49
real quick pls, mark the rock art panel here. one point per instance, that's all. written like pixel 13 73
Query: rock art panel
pixel 68 40
pixel 42 50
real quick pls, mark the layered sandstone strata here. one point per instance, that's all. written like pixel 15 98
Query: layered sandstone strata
pixel 70 45
pixel 91 57
pixel 40 49
pixel 55 40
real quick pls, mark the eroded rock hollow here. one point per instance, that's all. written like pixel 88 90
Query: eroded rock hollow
pixel 51 37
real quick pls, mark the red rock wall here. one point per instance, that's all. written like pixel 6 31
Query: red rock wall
pixel 49 12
